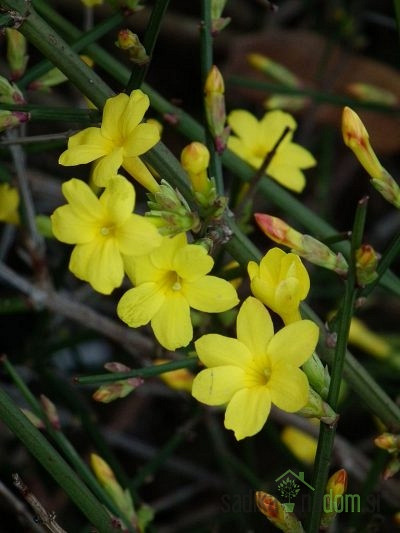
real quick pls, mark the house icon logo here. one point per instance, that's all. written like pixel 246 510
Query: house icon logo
pixel 289 487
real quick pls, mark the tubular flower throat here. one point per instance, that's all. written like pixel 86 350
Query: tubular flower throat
pixel 119 141
pixel 168 282
pixel 256 369
pixel 254 139
pixel 102 229
pixel 281 281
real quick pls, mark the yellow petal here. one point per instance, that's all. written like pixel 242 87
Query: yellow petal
pixel 140 269
pixel 98 262
pixel 88 136
pixel 69 227
pixel 113 113
pixel 210 294
pixel 302 445
pixel 136 108
pixel 118 199
pixel 294 343
pixel 137 236
pixel 254 326
pixel 264 291
pixel 138 170
pixel 293 266
pixel 289 387
pixel 287 296
pixel 171 324
pixel 82 200
pixel 139 305
pixel 290 177
pixel 272 126
pixel 163 257
pixel 248 411
pixel 81 154
pixel 142 138
pixel 244 125
pixel 241 150
pixel 297 156
pixel 271 265
pixel 217 350
pixel 216 386
pixel 191 262
pixel 107 167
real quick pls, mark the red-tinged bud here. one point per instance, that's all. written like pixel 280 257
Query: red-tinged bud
pixel 276 513
pixel 335 488
pixel 119 389
pixel 11 119
pixel 50 411
pixel 304 245
pixel 33 419
pixel 9 93
pixel 214 102
pixel 366 262
pixel 115 366
pixel 130 42
pixel 388 442
pixel 392 468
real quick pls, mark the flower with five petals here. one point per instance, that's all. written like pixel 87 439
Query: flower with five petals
pixel 254 138
pixel 119 141
pixel 256 369
pixel 102 229
pixel 168 282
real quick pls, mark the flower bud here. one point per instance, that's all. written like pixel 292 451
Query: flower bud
pixel 366 92
pixel 366 262
pixel 50 411
pixel 108 481
pixel 180 379
pixel 335 488
pixel 9 202
pixel 218 23
pixel 317 408
pixel 54 77
pixel 301 444
pixel 195 158
pixel 367 340
pixel 33 419
pixel 214 101
pixel 9 93
pixel 356 137
pixel 276 514
pixel 129 41
pixel 273 69
pixel 388 442
pixel 170 212
pixel 392 467
pixel 317 374
pixel 113 391
pixel 17 57
pixel 304 245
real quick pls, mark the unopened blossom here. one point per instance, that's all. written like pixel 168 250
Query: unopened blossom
pixel 168 282
pixel 121 138
pixel 276 513
pixel 281 282
pixel 255 370
pixel 254 139
pixel 9 202
pixel 302 445
pixel 102 229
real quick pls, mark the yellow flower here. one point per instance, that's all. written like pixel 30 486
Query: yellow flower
pixel 254 139
pixel 256 369
pixel 9 202
pixel 103 229
pixel 119 141
pixel 170 281
pixel 281 281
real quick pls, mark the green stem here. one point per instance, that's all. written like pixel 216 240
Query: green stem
pixel 82 42
pixel 63 443
pixel 146 372
pixel 327 433
pixel 66 114
pixel 396 4
pixel 54 48
pixel 149 41
pixel 51 460
pixel 316 96
pixel 215 166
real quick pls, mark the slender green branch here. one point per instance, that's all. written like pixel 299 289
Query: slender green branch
pixel 50 459
pixel 327 433
pixel 66 114
pixel 82 42
pixel 316 96
pixel 149 41
pixel 146 372
pixel 215 167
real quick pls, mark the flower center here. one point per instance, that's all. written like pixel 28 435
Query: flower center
pixel 106 230
pixel 172 281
